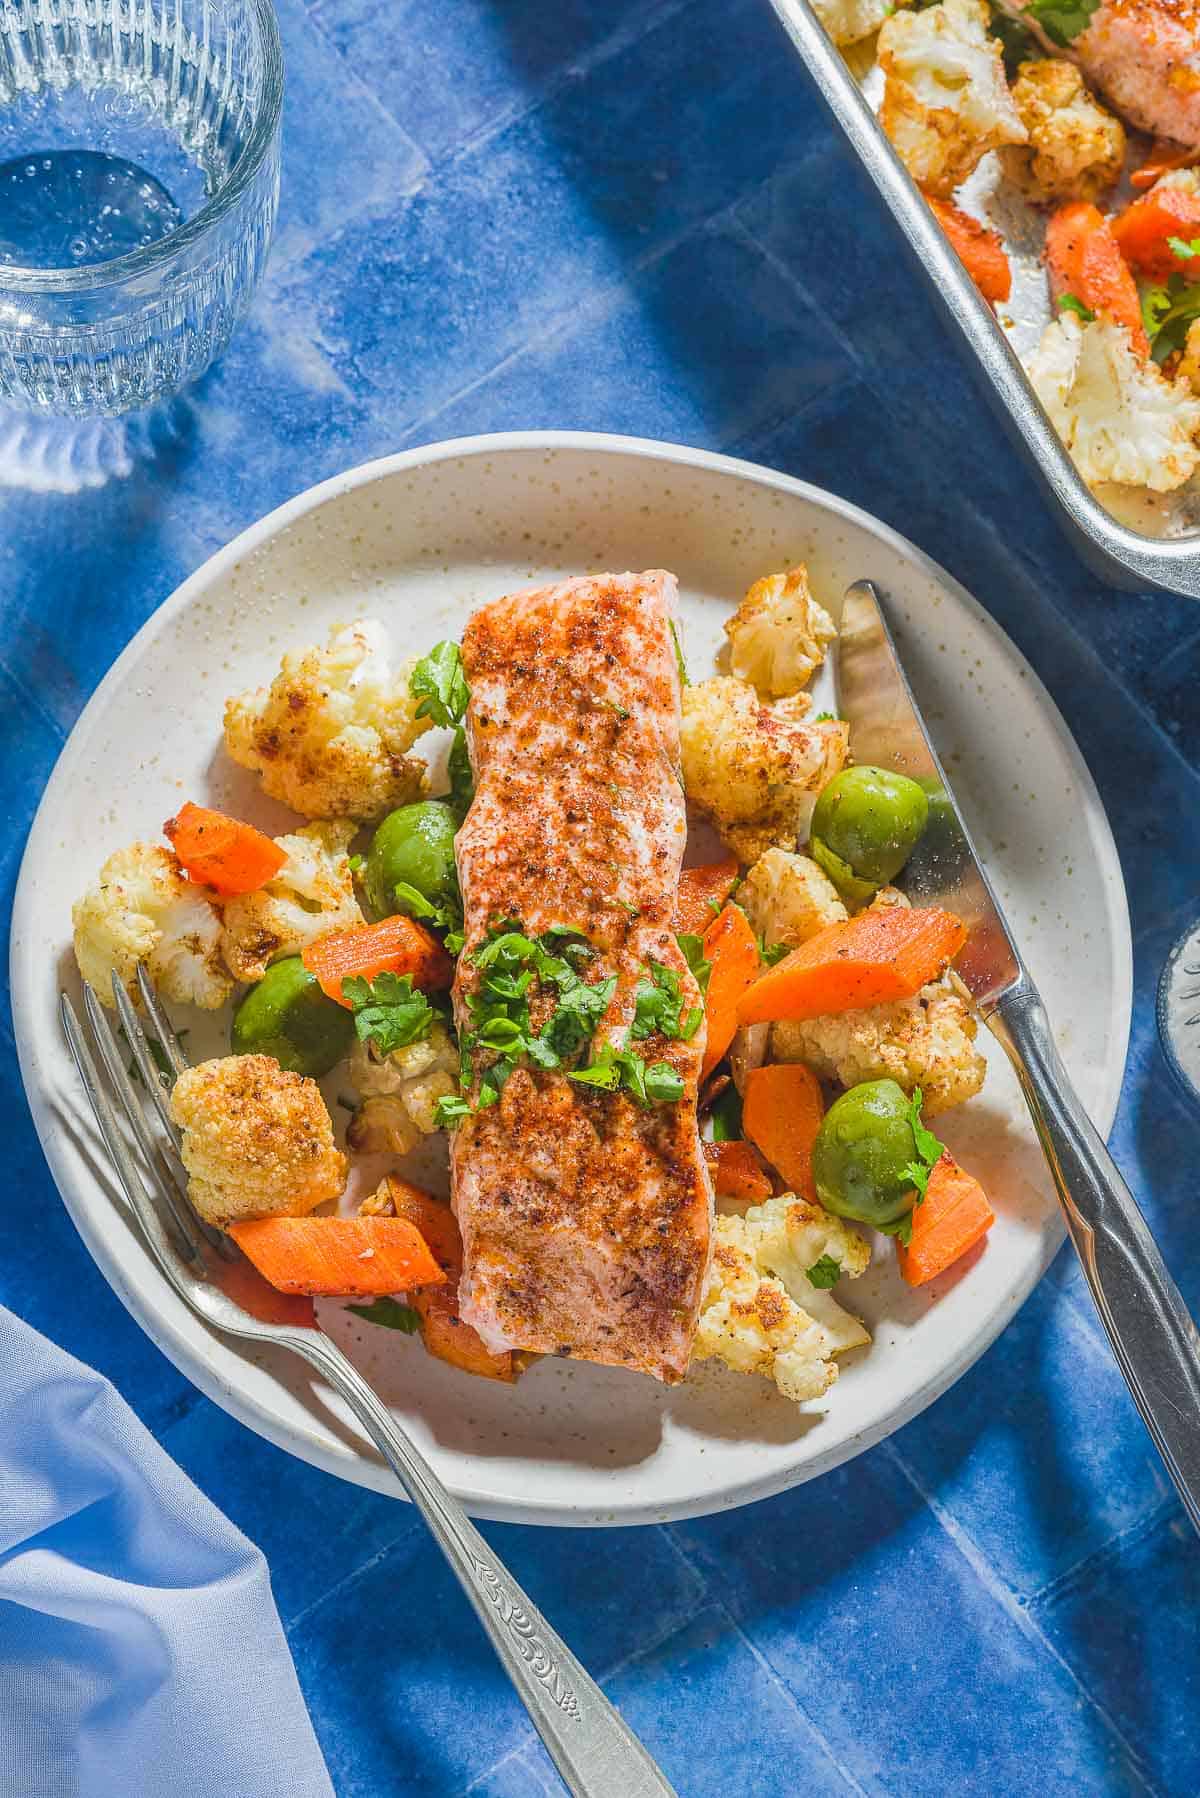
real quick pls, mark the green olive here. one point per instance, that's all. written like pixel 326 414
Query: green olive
pixel 413 846
pixel 288 1016
pixel 867 822
pixel 862 1153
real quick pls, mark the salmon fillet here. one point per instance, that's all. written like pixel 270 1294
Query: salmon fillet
pixel 585 1217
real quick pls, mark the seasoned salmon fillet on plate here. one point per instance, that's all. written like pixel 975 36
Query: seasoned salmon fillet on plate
pixel 578 1180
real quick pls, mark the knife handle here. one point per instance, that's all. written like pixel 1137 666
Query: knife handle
pixel 1153 1338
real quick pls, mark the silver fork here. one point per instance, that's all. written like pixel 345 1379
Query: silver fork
pixel 596 1753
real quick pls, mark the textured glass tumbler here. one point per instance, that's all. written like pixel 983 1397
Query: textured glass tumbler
pixel 139 179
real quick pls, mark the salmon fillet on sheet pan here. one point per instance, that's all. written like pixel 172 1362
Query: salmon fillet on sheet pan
pixel 585 1217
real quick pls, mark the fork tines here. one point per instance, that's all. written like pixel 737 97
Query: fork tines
pixel 158 1184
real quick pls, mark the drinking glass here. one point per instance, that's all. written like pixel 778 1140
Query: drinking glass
pixel 139 179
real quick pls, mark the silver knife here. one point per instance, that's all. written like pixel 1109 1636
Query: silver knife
pixel 1153 1337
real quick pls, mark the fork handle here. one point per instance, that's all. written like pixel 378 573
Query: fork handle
pixel 1155 1342
pixel 596 1753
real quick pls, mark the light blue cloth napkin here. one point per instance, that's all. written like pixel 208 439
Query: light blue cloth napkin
pixel 141 1655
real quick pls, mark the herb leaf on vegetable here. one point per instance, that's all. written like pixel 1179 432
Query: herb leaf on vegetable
pixel 679 661
pixel 1183 251
pixel 390 1313
pixel 693 953
pixel 1069 302
pixel 1062 21
pixel 824 1273
pixel 387 1011
pixel 441 686
pixel 929 1149
pixel 726 1115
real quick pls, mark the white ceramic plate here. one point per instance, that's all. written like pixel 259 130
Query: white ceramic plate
pixel 419 539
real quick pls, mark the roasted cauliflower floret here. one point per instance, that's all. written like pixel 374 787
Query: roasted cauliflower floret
pixel 144 908
pixel 329 735
pixel 755 769
pixel 1189 364
pixel 400 1091
pixel 788 898
pixel 312 894
pixel 761 1313
pixel 928 1042
pixel 1117 413
pixel 257 1140
pixel 779 634
pixel 848 21
pixel 945 99
pixel 1075 148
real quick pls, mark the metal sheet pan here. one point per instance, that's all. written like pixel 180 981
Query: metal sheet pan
pixel 1152 543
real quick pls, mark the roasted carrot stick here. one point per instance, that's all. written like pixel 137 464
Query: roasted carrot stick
pixel 1145 228
pixel 443 1332
pixel 338 1256
pixel 736 1171
pixel 1085 263
pixel 952 1217
pixel 869 960
pixel 781 1114
pixel 980 251
pixel 1164 156
pixel 222 853
pixel 730 945
pixel 393 946
pixel 702 893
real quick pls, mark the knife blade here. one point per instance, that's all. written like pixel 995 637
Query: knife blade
pixel 1153 1338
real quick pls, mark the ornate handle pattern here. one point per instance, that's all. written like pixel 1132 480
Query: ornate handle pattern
pixel 596 1753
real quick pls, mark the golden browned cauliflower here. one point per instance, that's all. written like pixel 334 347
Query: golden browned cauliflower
pixel 400 1091
pixel 144 908
pixel 329 735
pixel 312 894
pixel 945 99
pixel 778 635
pixel 762 1314
pixel 1076 149
pixel 1189 363
pixel 928 1042
pixel 1116 412
pixel 755 769
pixel 848 21
pixel 257 1140
pixel 788 898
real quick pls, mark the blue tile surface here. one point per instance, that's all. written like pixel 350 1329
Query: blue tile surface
pixel 501 213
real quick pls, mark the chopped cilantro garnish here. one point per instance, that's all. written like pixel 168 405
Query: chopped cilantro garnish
pixel 772 952
pixel 824 1273
pixel 826 718
pixel 614 707
pixel 648 1083
pixel 679 661
pixel 387 1011
pixel 693 954
pixel 1062 21
pixel 929 1149
pixel 356 862
pixel 390 1313
pixel 1169 313
pixel 1017 43
pixel 441 686
pixel 1184 251
pixel 414 904
pixel 658 1006
pixel 1068 302
pixel 448 1111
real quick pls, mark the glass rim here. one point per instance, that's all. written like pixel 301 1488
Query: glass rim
pixel 20 278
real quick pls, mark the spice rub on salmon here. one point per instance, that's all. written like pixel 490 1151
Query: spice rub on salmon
pixel 578 1180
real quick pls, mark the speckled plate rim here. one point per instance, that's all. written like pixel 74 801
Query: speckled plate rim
pixel 168 1327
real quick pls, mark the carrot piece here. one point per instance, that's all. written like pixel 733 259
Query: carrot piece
pixel 730 945
pixel 869 960
pixel 952 1217
pixel 222 853
pixel 1163 158
pixel 980 251
pixel 736 1171
pixel 1084 261
pixel 393 946
pixel 1143 231
pixel 338 1257
pixel 782 1109
pixel 702 893
pixel 443 1332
